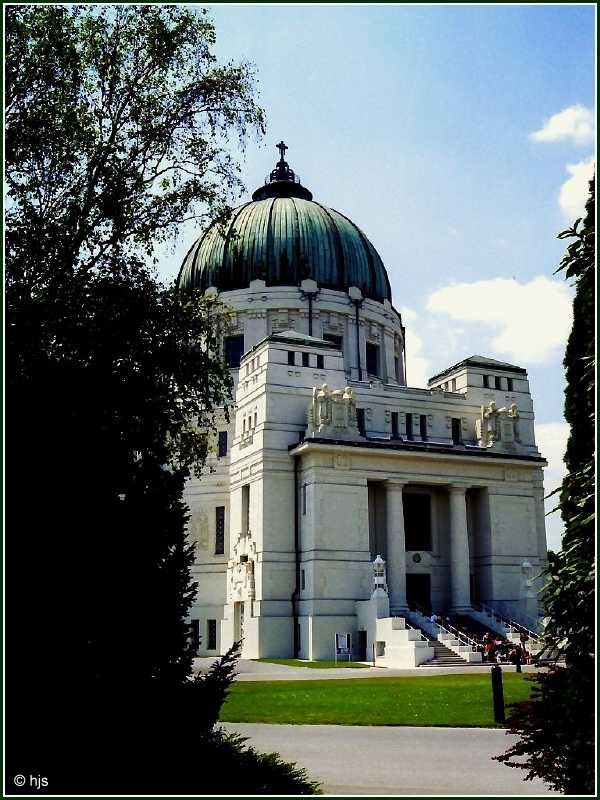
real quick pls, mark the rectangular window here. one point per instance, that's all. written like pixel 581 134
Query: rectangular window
pixel 417 521
pixel 510 385
pixel 453 387
pixel 423 426
pixel 397 368
pixel 456 432
pixel 211 634
pixel 486 382
pixel 245 508
pixel 320 362
pixel 372 359
pixel 291 358
pixel 305 361
pixel 409 426
pixel 234 350
pixel 222 443
pixel 219 530
pixel 195 634
pixel 360 421
pixel 498 382
pixel 302 580
pixel 304 498
pixel 336 341
pixel 395 429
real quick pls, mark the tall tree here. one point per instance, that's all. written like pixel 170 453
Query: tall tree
pixel 557 727
pixel 118 120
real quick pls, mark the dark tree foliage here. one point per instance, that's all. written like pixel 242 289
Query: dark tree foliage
pixel 557 727
pixel 117 123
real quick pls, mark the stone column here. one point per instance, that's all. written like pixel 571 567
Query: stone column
pixel 460 567
pixel 396 549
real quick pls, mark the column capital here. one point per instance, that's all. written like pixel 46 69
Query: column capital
pixel 455 489
pixel 392 484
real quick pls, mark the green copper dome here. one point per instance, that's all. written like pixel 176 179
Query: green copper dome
pixel 283 237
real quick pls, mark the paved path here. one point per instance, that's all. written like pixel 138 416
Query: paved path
pixel 261 671
pixel 395 760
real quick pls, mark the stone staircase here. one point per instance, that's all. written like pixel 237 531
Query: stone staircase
pixel 444 657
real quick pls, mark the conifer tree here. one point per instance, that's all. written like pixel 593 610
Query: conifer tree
pixel 557 727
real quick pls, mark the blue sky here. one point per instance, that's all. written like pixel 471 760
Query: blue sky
pixel 416 122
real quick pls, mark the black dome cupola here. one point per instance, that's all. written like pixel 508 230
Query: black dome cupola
pixel 283 181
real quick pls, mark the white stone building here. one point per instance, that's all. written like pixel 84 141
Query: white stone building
pixel 330 459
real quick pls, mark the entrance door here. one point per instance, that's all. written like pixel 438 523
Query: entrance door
pixel 361 646
pixel 418 591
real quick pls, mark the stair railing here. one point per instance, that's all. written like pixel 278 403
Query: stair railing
pixel 509 624
pixel 462 637
pixel 448 628
pixel 413 628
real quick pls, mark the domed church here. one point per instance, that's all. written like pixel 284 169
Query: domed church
pixel 340 507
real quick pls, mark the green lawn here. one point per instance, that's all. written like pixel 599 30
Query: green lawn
pixel 296 662
pixel 444 700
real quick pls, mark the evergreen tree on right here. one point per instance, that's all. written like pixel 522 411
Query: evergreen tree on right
pixel 557 726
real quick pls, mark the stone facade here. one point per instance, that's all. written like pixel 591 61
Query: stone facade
pixel 332 460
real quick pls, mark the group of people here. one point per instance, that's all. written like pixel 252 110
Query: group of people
pixel 495 649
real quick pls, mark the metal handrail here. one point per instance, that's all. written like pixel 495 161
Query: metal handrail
pixel 412 628
pixel 462 637
pixel 510 624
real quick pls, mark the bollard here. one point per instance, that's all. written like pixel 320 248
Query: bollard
pixel 498 694
pixel 373 653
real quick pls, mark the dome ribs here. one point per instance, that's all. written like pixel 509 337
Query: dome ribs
pixel 283 240
pixel 340 261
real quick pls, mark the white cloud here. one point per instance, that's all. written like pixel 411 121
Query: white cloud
pixel 418 368
pixel 551 438
pixel 575 190
pixel 530 320
pixel 576 123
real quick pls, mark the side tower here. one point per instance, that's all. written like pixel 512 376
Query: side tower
pixel 329 459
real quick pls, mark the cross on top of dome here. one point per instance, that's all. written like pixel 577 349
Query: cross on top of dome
pixel 282 180
pixel 282 147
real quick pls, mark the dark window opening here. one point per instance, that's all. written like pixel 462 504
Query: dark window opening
pixel 372 359
pixel 291 358
pixel 320 362
pixel 304 498
pixel 219 530
pixel 195 634
pixel 417 521
pixel 211 634
pixel 395 429
pixel 338 341
pixel 397 368
pixel 302 580
pixel 409 426
pixel 360 421
pixel 222 443
pixel 305 360
pixel 245 508
pixel 423 426
pixel 498 382
pixel 486 382
pixel 456 431
pixel 234 350
pixel 510 384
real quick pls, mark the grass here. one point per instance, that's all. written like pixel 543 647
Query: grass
pixel 296 662
pixel 444 700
